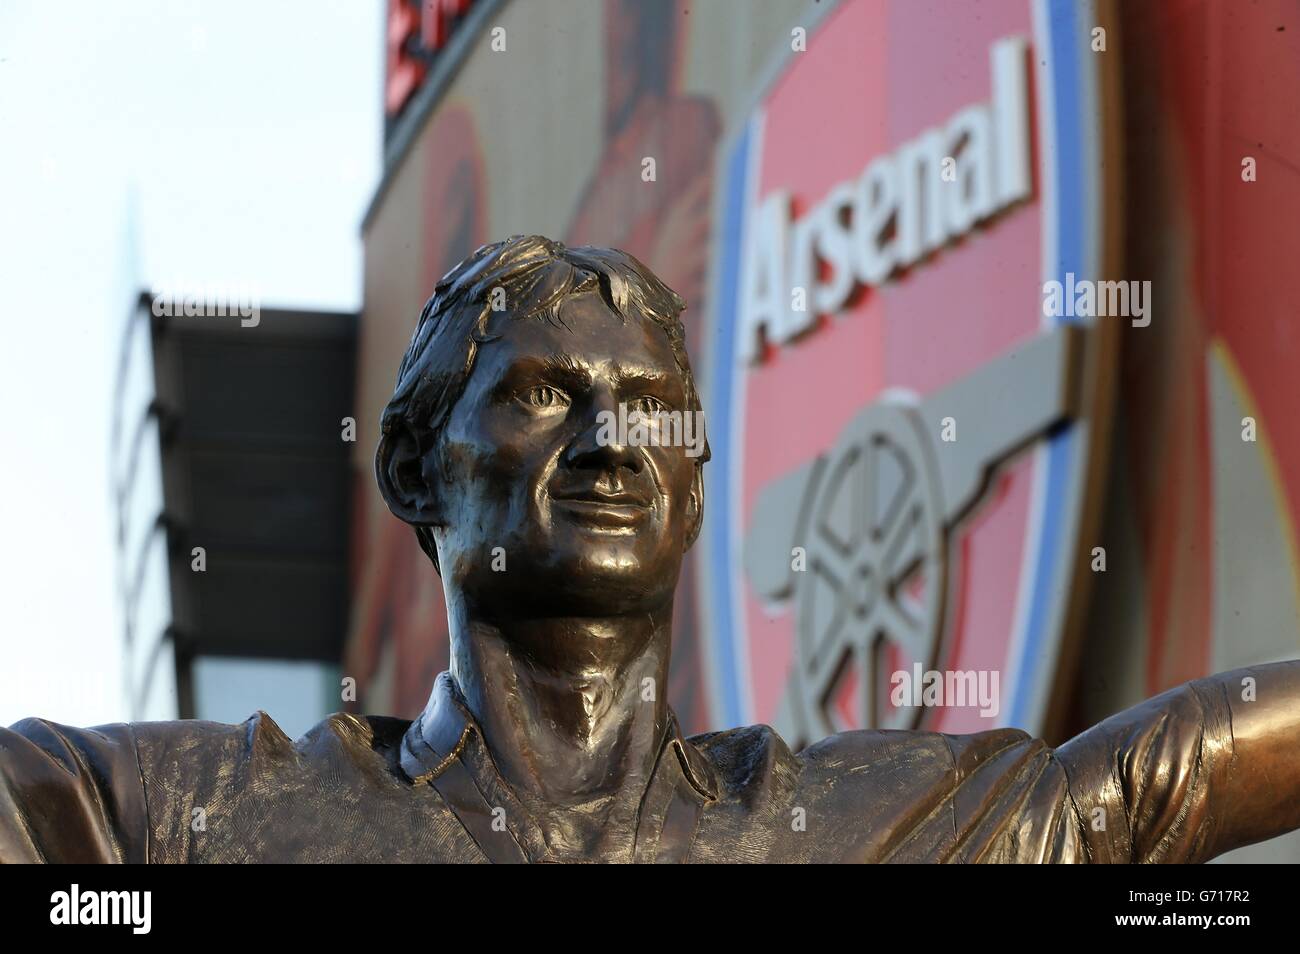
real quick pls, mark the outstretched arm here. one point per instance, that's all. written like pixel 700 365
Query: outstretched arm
pixel 70 795
pixel 1194 772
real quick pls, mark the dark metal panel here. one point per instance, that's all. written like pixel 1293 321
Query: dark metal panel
pixel 255 471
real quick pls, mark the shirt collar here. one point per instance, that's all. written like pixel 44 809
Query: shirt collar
pixel 441 732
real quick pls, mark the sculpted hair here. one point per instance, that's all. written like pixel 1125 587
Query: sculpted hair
pixel 531 276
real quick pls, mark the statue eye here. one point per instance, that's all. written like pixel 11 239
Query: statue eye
pixel 545 397
pixel 647 405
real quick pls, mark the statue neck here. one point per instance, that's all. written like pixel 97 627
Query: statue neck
pixel 572 710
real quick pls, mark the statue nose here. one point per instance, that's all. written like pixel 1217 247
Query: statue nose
pixel 602 443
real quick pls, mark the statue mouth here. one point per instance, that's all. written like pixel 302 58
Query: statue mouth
pixel 619 510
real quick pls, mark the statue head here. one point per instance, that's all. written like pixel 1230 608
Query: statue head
pixel 497 444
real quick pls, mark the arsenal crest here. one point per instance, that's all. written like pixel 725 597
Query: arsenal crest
pixel 904 440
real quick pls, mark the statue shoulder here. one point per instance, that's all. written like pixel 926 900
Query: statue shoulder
pixel 259 742
pixel 185 789
pixel 858 750
pixel 886 740
pixel 916 749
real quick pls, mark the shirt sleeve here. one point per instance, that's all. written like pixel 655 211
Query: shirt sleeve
pixel 71 795
pixel 1200 770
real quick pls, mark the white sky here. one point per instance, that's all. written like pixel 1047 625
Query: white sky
pixel 249 135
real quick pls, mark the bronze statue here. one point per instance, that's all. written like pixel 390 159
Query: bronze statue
pixel 559 542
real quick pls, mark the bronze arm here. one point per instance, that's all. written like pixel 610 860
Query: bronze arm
pixel 1197 771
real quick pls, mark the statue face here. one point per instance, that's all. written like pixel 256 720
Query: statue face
pixel 540 514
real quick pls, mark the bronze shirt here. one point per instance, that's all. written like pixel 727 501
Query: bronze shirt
pixel 1141 786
